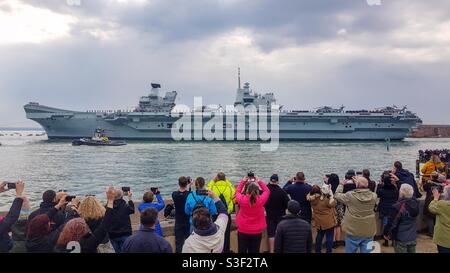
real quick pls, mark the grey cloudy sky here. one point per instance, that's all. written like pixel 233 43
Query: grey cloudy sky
pixel 104 54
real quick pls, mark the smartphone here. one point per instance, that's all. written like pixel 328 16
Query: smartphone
pixel 62 191
pixel 10 185
pixel 70 197
pixel 358 173
pixel 154 190
pixel 126 190
pixel 202 192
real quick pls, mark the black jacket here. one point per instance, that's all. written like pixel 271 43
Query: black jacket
pixel 57 218
pixel 405 176
pixel 276 205
pixel 8 221
pixel 293 235
pixel 90 241
pixel 146 241
pixel 402 225
pixel 388 197
pixel 94 224
pixel 45 244
pixel 121 225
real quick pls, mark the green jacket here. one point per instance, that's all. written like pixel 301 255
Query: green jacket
pixel 359 217
pixel 225 188
pixel 442 228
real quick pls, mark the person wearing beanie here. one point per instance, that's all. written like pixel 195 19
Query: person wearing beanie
pixel 293 234
pixel 275 207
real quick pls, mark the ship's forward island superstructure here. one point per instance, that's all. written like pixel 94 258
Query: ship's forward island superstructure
pixel 154 118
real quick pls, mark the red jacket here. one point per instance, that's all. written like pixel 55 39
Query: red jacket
pixel 250 218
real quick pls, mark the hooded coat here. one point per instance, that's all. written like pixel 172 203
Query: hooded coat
pixel 210 240
pixel 359 217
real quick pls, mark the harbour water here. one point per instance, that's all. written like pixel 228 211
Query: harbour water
pixel 82 170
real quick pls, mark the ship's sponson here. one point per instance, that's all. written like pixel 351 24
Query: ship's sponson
pixel 60 123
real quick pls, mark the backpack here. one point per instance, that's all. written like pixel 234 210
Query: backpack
pixel 222 197
pixel 198 204
pixel 169 211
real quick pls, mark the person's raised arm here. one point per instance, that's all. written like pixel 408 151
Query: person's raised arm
pixel 160 205
pixel 101 231
pixel 434 206
pixel 339 195
pixel 61 203
pixel 220 206
pixel 130 203
pixel 14 211
pixel 3 187
pixel 241 185
pixel 266 192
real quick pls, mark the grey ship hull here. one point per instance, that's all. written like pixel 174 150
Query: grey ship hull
pixel 65 124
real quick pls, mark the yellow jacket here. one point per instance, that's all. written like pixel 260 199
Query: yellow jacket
pixel 225 188
pixel 429 167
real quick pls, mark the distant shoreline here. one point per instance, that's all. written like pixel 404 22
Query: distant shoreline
pixel 21 129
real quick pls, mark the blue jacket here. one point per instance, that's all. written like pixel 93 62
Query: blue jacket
pixel 146 241
pixel 158 206
pixel 192 200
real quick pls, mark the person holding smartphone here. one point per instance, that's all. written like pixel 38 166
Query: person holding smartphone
pixel 148 199
pixel 11 217
pixel 250 220
pixel 120 228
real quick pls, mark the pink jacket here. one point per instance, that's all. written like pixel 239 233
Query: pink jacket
pixel 250 218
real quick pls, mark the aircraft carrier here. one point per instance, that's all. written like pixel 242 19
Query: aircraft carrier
pixel 155 117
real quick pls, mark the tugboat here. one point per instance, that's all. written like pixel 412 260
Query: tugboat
pixel 99 139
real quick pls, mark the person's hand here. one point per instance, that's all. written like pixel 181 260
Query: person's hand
pixel 386 237
pixel 257 178
pixel 59 195
pixel 130 194
pixel 110 194
pixel 436 194
pixel 354 178
pixel 76 202
pixel 245 178
pixel 62 202
pixel 3 187
pixel 342 182
pixel 20 186
pixel 394 178
pixel 215 178
pixel 211 194
pixel 292 179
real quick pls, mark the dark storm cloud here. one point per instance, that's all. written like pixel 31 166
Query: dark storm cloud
pixel 310 53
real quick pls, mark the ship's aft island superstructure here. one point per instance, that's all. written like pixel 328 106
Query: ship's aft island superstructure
pixel 154 118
